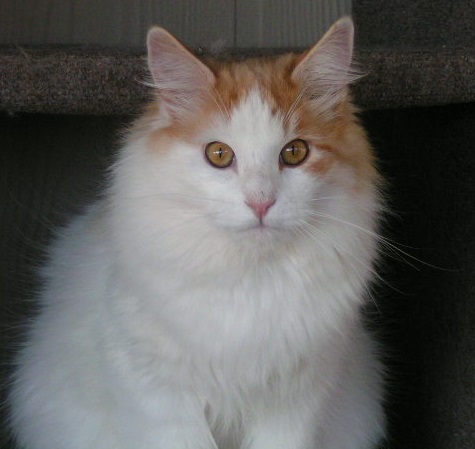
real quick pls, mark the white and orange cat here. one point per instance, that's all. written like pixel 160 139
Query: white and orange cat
pixel 212 298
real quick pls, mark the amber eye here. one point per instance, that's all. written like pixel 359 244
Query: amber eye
pixel 219 154
pixel 294 153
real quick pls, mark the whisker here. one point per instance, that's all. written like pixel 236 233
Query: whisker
pixel 395 251
pixel 347 254
pixel 306 229
pixel 327 198
pixel 335 245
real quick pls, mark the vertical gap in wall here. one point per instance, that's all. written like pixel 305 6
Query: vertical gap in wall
pixel 72 22
pixel 235 24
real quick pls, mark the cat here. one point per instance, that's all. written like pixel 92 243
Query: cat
pixel 212 298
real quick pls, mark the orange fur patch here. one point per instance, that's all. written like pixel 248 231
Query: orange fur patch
pixel 322 163
pixel 337 131
pixel 271 75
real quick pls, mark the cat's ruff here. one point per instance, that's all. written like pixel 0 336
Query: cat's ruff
pixel 212 298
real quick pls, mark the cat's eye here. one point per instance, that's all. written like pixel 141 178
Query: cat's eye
pixel 219 154
pixel 294 153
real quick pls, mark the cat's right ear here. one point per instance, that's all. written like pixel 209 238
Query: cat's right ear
pixel 181 79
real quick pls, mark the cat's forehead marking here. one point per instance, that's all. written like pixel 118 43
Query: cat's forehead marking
pixel 254 116
pixel 271 76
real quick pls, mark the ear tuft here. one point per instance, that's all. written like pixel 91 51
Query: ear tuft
pixel 326 69
pixel 181 79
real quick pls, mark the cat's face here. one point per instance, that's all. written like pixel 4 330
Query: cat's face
pixel 260 150
pixel 258 190
pixel 250 173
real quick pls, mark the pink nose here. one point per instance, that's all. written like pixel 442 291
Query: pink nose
pixel 260 208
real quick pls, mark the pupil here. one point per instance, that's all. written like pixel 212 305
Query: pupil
pixel 220 153
pixel 294 150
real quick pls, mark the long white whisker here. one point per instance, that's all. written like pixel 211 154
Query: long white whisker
pixel 308 230
pixel 327 198
pixel 313 229
pixel 394 250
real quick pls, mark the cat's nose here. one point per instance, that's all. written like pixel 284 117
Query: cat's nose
pixel 260 208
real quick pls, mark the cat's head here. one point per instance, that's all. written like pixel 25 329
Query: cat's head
pixel 256 150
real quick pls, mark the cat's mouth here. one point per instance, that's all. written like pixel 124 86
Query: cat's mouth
pixel 260 229
pixel 255 229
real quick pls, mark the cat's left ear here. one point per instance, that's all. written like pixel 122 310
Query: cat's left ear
pixel 326 68
pixel 181 79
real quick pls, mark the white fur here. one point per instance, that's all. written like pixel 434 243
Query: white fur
pixel 171 320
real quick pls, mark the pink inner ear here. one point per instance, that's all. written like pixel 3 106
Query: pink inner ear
pixel 328 63
pixel 181 79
